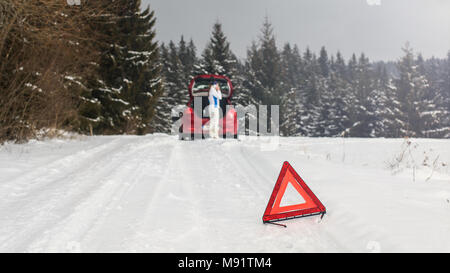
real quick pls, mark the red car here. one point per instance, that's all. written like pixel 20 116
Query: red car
pixel 195 120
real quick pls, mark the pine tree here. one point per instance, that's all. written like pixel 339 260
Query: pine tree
pixel 290 125
pixel 352 68
pixel 411 87
pixel 107 88
pixel 445 85
pixel 324 63
pixel 264 68
pixel 334 119
pixel 141 79
pixel 217 57
pixel 291 73
pixel 130 83
pixel 162 121
pixel 101 21
pixel 308 93
pixel 363 101
pixel 175 87
pixel 445 91
pixel 291 68
pixel 435 111
pixel 327 123
pixel 387 109
pixel 269 71
pixel 187 56
pixel 242 87
pixel 252 84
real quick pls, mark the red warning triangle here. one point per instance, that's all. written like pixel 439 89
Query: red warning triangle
pixel 310 206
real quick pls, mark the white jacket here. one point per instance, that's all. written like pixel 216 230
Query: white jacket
pixel 214 97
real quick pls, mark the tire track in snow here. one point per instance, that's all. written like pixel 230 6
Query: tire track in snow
pixel 173 219
pixel 36 178
pixel 159 194
pixel 186 215
pixel 114 211
pixel 254 177
pixel 36 216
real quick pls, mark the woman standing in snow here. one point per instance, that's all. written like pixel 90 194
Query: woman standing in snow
pixel 215 95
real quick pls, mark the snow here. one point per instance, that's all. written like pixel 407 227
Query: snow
pixel 157 194
pixel 291 197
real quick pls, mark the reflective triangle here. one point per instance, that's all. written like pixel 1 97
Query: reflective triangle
pixel 275 211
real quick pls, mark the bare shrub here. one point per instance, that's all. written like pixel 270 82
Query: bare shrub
pixel 404 157
pixel 47 53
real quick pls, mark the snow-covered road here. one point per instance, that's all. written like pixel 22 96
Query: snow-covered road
pixel 158 194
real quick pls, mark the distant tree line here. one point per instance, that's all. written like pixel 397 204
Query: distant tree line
pixel 97 68
pixel 320 95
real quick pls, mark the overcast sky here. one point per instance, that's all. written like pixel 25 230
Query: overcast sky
pixel 378 28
